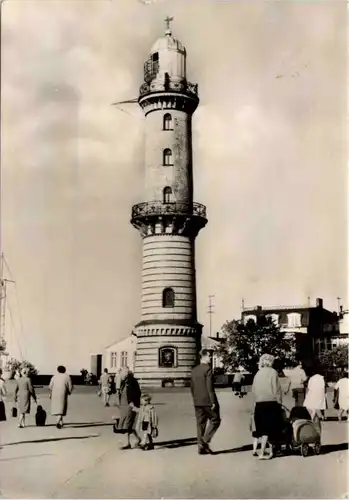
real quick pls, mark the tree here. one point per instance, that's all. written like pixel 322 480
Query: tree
pixel 14 365
pixel 336 358
pixel 244 344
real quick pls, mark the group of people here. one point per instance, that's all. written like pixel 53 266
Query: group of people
pixel 60 388
pixel 138 418
pixel 268 417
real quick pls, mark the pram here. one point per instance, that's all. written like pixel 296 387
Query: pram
pixel 299 432
pixel 306 431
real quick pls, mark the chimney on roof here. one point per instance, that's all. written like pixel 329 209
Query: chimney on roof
pixel 319 303
pixel 217 335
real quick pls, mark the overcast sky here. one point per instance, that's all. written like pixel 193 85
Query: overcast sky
pixel 269 161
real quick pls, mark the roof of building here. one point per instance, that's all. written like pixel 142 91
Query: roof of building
pixel 167 42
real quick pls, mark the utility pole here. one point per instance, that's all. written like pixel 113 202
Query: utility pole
pixel 210 311
pixel 339 304
pixel 3 294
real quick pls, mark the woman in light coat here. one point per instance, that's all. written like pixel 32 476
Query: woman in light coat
pixel 60 388
pixel 315 398
pixel 342 386
pixel 24 391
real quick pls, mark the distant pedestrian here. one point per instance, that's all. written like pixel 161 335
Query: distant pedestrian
pixel 117 384
pixel 60 388
pixel 147 423
pixel 205 402
pixel 3 393
pixel 105 384
pixel 130 397
pixel 268 415
pixel 24 391
pixel 238 381
pixel 315 398
pixel 342 390
pixel 297 379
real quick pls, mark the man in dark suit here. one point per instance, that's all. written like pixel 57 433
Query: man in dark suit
pixel 205 402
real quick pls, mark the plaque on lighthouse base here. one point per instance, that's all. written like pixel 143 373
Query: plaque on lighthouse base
pixel 166 354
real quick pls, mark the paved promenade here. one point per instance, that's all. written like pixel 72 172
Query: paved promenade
pixel 83 460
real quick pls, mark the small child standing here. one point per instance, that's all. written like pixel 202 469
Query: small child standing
pixel 147 423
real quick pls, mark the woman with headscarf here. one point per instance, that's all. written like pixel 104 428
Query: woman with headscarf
pixel 60 388
pixel 130 397
pixel 24 391
pixel 268 416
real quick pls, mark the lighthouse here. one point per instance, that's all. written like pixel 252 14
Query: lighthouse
pixel 168 219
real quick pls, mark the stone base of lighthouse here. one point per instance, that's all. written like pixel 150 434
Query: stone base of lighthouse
pixel 166 354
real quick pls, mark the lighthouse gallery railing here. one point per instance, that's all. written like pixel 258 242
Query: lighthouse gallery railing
pixel 151 208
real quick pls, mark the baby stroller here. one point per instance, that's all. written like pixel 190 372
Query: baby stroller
pixel 306 432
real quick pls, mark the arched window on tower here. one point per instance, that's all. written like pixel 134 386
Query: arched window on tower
pixel 168 122
pixel 167 157
pixel 167 194
pixel 168 297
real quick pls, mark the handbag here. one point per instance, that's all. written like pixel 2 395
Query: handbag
pixel 14 412
pixel 155 433
pixel 336 399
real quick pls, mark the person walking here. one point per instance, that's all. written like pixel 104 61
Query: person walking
pixel 315 398
pixel 297 378
pixel 105 384
pixel 238 381
pixel 117 382
pixel 60 388
pixel 3 393
pixel 268 416
pixel 342 388
pixel 130 397
pixel 205 402
pixel 24 391
pixel 147 423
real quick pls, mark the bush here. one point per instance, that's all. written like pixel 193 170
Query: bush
pixel 14 365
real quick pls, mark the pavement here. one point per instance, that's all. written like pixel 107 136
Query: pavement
pixel 84 460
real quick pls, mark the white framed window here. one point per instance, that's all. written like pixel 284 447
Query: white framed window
pixel 250 317
pixel 113 360
pixel 294 320
pixel 167 157
pixel 123 359
pixel 274 318
pixel 168 122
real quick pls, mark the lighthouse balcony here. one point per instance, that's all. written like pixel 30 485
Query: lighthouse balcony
pixel 173 218
pixel 183 87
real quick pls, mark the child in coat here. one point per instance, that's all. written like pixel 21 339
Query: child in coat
pixel 147 423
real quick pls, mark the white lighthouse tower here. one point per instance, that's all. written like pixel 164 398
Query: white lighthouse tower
pixel 168 335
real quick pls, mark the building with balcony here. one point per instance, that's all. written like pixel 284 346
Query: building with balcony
pixel 314 327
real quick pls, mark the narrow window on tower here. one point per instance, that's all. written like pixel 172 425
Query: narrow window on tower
pixel 168 298
pixel 167 195
pixel 167 157
pixel 168 122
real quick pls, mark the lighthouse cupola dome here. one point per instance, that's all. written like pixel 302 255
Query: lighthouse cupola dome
pixel 167 59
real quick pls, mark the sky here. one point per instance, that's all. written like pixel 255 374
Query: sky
pixel 269 142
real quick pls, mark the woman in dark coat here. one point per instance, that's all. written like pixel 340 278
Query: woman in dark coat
pixel 24 391
pixel 130 397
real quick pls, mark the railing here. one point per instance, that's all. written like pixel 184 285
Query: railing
pixel 158 208
pixel 182 87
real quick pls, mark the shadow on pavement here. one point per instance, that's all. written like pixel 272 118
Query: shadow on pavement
pixel 245 447
pixel 24 457
pixel 51 439
pixel 334 419
pixel 330 448
pixel 177 443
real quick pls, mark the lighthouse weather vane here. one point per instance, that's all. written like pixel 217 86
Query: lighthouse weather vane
pixel 168 21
